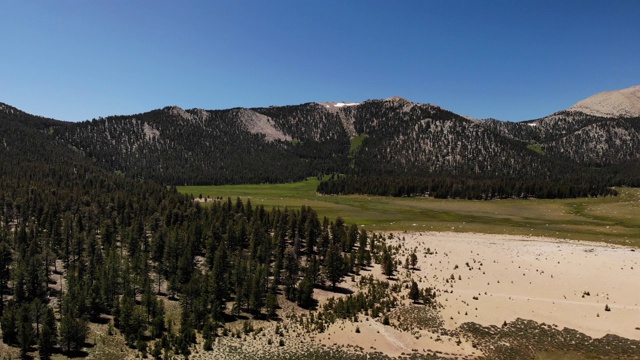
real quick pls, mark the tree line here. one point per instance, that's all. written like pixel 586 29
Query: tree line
pixel 453 188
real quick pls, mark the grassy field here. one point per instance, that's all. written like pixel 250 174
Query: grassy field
pixel 612 219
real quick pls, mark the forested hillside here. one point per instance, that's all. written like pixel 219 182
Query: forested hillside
pixel 386 147
pixel 173 146
pixel 79 244
pixel 578 137
pixel 568 153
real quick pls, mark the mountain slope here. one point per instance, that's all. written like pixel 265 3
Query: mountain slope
pixel 417 139
pixel 619 103
pixel 578 137
pixel 26 142
pixel 396 138
pixel 291 142
pixel 176 146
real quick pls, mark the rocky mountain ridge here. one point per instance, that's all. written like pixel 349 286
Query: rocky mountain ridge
pixel 390 137
pixel 613 104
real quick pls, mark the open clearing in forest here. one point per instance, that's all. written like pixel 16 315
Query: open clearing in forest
pixel 611 219
pixel 489 279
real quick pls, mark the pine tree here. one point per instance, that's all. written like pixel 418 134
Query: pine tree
pixel 148 297
pixel 38 310
pixel 185 266
pixel 305 292
pixel 361 258
pixel 157 324
pixel 95 305
pixel 169 263
pixel 126 316
pixel 311 231
pixel 48 335
pixel 387 262
pixel 242 283
pixel 323 243
pixel 271 303
pixel 314 269
pixel 73 331
pixel 413 259
pixel 9 323
pixel 25 329
pixel 219 281
pixel 5 273
pixel 156 352
pixel 187 333
pixel 333 264
pixel 414 292
pixel 373 245
pixel 351 238
pixel 109 278
pixel 258 288
pixel 291 268
pixel 19 280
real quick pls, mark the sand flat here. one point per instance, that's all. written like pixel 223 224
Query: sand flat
pixel 533 278
pixel 375 337
pixel 540 279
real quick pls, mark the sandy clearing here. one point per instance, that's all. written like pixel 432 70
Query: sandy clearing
pixel 376 337
pixel 539 279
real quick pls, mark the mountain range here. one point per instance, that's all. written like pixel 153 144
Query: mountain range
pixel 93 242
pixel 596 139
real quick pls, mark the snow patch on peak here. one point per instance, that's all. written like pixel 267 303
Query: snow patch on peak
pixel 618 103
pixel 341 104
pixel 330 105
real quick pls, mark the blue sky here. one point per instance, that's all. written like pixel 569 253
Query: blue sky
pixel 512 60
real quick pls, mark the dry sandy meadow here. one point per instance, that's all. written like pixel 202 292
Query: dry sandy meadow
pixel 495 293
pixel 497 297
pixel 493 279
pixel 490 279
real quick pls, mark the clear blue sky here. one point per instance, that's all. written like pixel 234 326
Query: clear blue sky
pixel 512 60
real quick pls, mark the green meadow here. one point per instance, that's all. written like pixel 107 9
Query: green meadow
pixel 611 219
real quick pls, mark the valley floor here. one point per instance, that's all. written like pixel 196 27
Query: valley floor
pixel 564 283
pixel 485 285
pixel 493 279
pixel 483 279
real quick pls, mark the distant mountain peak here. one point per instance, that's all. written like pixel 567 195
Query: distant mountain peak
pixel 192 114
pixel 617 103
pixel 398 99
pixel 177 111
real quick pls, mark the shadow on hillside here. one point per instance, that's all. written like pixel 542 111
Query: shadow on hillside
pixel 337 289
